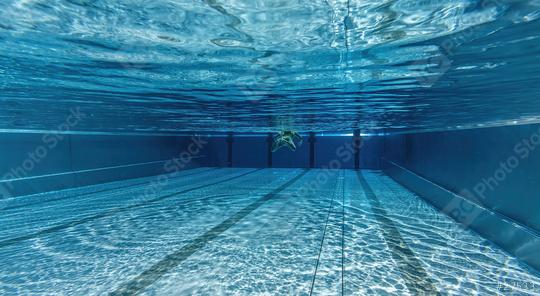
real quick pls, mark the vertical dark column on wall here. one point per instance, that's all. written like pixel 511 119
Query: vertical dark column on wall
pixel 357 141
pixel 408 147
pixel 311 150
pixel 270 141
pixel 229 149
pixel 384 150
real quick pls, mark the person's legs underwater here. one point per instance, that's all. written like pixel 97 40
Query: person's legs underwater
pixel 286 138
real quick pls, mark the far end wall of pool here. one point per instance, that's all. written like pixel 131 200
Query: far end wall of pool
pixel 40 162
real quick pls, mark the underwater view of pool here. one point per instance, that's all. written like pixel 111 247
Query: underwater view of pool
pixel 270 147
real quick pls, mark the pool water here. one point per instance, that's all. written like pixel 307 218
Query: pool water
pixel 241 231
pixel 165 66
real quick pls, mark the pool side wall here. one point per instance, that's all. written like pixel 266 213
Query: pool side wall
pixel 34 162
pixel 487 179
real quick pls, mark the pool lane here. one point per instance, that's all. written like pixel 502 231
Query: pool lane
pixel 412 271
pixel 328 274
pixel 369 265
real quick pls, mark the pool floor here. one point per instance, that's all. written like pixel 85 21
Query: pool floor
pixel 235 231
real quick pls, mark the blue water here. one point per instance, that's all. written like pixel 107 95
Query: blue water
pixel 176 67
pixel 220 65
pixel 211 231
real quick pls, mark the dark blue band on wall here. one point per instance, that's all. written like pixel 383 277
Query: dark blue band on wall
pixel 270 140
pixel 356 146
pixel 311 150
pixel 74 160
pixel 229 149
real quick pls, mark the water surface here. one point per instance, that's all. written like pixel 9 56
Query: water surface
pixel 253 65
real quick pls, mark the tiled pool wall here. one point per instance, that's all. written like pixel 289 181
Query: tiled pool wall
pixel 487 179
pixel 39 162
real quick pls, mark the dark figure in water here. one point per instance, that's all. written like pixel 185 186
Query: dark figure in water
pixel 286 139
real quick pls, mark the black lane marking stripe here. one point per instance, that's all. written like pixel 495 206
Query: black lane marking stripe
pixel 154 273
pixel 15 240
pixel 343 236
pixel 100 191
pixel 322 240
pixel 415 276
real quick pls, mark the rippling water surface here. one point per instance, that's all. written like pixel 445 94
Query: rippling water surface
pixel 221 65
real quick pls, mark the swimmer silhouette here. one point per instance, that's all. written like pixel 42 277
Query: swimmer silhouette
pixel 286 139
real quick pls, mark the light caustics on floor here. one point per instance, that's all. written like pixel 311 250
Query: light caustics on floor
pixel 223 231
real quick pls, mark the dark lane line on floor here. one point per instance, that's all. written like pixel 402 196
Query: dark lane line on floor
pixel 101 191
pixel 415 276
pixel 322 238
pixel 114 211
pixel 154 273
pixel 343 237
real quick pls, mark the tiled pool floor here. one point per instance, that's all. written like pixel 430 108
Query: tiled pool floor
pixel 231 231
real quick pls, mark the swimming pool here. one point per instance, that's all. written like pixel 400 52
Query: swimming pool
pixel 221 231
pixel 269 147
